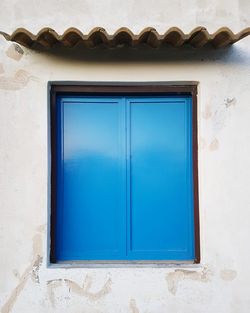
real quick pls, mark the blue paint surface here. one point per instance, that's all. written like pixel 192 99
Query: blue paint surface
pixel 124 178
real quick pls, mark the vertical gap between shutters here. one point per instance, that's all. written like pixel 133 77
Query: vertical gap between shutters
pixel 128 176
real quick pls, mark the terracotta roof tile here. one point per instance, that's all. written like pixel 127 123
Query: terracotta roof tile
pixel 197 38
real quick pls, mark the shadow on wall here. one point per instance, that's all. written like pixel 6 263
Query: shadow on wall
pixel 166 54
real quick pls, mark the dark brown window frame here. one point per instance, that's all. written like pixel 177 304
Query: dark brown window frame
pixel 121 88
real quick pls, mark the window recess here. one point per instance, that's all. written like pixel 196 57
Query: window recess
pixel 123 177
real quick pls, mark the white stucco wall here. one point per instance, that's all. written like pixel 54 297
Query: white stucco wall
pixel 221 282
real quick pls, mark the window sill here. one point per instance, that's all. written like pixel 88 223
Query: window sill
pixel 125 264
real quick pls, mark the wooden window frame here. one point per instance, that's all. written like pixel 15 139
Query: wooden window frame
pixel 121 88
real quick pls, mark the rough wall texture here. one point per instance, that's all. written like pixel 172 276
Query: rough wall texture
pixel 221 282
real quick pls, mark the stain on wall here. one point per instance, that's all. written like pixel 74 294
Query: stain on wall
pixel 51 286
pixel 133 306
pixel 86 286
pixel 32 269
pixel 207 113
pixel 228 102
pixel 214 145
pixel 228 274
pixel 15 52
pixel 35 269
pixel 83 290
pixel 16 82
pixel 218 117
pixel 174 278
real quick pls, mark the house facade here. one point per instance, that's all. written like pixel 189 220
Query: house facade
pixel 125 67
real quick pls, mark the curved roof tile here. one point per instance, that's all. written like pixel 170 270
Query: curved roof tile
pixel 98 36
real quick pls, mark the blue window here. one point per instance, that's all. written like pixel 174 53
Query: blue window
pixel 124 178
